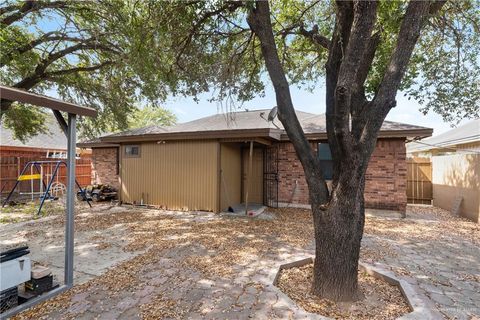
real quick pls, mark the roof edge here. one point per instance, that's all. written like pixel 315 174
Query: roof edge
pixel 194 135
pixel 15 94
pixel 96 145
pixel 414 133
pixel 274 134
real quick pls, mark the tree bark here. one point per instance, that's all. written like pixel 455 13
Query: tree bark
pixel 338 234
pixel 352 123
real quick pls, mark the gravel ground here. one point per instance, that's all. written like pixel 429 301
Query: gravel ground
pixel 434 250
pixel 204 266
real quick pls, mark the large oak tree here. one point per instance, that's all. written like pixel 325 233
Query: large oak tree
pixel 364 52
pixel 77 50
pixel 353 122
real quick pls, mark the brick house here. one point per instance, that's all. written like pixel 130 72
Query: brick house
pixel 213 162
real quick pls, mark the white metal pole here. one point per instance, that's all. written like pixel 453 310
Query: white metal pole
pixel 69 227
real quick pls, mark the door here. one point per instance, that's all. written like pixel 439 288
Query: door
pixel 255 187
pixel 270 176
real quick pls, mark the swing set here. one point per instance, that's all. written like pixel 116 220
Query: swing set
pixel 48 190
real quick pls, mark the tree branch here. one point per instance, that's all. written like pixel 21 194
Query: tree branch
pixel 314 36
pixel 410 29
pixel 259 21
pixel 341 34
pixel 29 6
pixel 47 37
pixel 368 57
pixel 52 74
pixel 415 16
pixel 40 72
pixel 364 17
pixel 228 6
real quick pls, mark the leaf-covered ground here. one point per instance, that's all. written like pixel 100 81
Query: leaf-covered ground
pixel 381 301
pixel 202 265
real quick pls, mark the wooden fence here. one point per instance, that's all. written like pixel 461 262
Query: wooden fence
pixel 419 181
pixel 11 167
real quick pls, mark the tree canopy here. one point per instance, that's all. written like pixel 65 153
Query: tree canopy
pixel 197 46
pixel 114 55
pixel 71 48
pixel 150 115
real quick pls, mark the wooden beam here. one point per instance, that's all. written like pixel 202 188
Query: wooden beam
pixel 249 176
pixel 13 94
pixel 61 121
pixel 263 141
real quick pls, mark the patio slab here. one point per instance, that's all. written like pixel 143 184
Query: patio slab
pixel 200 265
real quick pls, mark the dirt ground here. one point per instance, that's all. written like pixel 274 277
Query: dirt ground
pixel 133 263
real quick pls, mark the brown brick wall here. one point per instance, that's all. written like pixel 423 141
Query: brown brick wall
pixel 292 187
pixel 386 177
pixel 105 166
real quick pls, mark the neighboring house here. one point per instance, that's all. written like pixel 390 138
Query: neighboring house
pixel 45 145
pixel 464 139
pixel 203 164
pixel 52 145
pixel 455 160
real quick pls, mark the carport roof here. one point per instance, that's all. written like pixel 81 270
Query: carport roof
pixel 248 124
pixel 14 94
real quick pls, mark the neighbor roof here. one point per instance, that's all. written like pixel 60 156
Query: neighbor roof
pixel 247 124
pixel 468 133
pixel 54 139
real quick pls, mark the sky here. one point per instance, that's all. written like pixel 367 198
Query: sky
pixel 406 111
pixel 186 109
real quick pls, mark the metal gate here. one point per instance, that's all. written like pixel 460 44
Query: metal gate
pixel 270 176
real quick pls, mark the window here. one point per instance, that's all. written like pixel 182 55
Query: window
pixel 325 157
pixel 57 154
pixel 132 151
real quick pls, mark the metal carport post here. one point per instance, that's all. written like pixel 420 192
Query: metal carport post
pixel 69 225
pixel 69 128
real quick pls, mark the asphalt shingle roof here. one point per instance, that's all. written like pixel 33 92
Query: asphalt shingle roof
pixel 311 123
pixel 245 120
pixel 54 139
pixel 469 132
pixel 152 129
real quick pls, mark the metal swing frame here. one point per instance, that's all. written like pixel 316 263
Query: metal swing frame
pixel 69 128
pixel 46 194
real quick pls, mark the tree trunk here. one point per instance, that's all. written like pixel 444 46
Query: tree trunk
pixel 338 233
